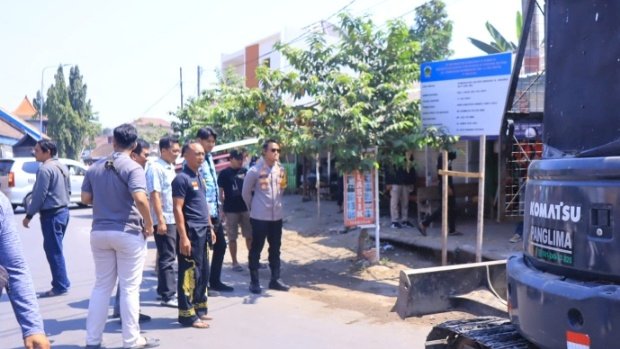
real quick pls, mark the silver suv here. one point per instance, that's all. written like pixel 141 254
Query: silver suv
pixel 17 177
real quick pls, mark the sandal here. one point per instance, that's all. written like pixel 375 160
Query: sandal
pixel 51 293
pixel 237 268
pixel 200 324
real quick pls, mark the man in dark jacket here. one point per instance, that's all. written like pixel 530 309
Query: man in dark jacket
pixel 50 198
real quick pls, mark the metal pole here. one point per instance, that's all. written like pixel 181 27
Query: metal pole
pixel 199 72
pixel 43 94
pixel 329 173
pixel 377 222
pixel 42 102
pixel 481 171
pixel 318 185
pixel 444 209
pixel 181 84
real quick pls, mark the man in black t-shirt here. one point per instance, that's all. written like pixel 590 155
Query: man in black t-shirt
pixel 191 214
pixel 230 182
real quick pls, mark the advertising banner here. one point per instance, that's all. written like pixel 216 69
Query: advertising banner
pixel 359 198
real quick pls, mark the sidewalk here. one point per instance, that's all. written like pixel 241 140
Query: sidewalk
pixel 495 244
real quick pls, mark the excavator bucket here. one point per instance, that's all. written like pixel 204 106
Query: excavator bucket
pixel 438 289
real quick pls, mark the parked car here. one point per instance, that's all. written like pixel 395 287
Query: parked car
pixel 17 177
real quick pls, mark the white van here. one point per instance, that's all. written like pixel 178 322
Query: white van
pixel 17 177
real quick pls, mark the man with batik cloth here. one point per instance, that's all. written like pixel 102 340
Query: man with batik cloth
pixel 194 233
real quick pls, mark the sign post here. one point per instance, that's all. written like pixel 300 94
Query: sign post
pixel 361 204
pixel 465 97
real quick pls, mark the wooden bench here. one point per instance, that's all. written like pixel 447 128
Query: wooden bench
pixel 428 199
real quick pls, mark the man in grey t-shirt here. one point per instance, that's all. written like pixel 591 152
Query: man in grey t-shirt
pixel 116 187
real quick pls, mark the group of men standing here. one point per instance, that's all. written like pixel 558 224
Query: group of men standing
pixel 185 211
pixel 187 219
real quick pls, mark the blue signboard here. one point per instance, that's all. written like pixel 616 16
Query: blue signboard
pixel 476 67
pixel 466 97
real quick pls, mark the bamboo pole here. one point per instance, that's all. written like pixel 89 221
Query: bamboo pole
pixel 444 208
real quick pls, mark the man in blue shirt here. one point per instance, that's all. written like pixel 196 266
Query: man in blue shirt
pixel 159 177
pixel 207 137
pixel 50 198
pixel 20 289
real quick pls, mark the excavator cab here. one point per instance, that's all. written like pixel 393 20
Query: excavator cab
pixel 564 290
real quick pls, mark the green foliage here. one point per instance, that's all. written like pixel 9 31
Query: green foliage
pixel 500 43
pixel 71 120
pixel 433 30
pixel 36 102
pixel 349 97
pixel 361 87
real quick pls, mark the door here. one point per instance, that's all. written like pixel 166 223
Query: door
pixel 76 175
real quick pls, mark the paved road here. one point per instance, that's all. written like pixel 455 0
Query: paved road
pixel 272 320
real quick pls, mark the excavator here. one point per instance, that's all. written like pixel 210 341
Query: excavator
pixel 563 291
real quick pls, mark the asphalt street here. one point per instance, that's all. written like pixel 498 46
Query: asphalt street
pixel 241 320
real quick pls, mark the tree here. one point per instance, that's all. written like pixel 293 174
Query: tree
pixel 70 117
pixel 238 112
pixel 229 107
pixel 36 102
pixel 361 88
pixel 347 97
pixel 433 30
pixel 500 43
pixel 89 127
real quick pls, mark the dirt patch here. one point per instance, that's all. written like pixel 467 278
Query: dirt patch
pixel 321 261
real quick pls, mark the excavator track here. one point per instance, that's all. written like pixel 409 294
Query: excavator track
pixel 477 333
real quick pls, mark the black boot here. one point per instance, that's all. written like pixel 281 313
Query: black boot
pixel 276 283
pixel 254 282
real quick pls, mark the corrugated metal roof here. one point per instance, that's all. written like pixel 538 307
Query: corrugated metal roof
pixel 20 124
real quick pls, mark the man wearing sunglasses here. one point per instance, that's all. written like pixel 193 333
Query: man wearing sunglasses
pixel 266 180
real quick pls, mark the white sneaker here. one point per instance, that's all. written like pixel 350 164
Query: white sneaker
pixel 172 302
pixel 515 238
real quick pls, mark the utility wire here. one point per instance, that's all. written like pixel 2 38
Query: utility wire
pixel 161 98
pixel 308 30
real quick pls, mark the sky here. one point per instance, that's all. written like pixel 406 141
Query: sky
pixel 130 51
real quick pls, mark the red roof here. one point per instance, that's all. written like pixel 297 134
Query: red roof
pixel 26 110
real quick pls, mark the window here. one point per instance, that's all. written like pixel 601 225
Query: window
pixel 5 167
pixel 30 167
pixel 76 170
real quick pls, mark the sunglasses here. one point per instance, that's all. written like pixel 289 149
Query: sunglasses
pixel 275 150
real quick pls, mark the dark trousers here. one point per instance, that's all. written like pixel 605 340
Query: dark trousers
pixel 166 249
pixel 261 231
pixel 219 251
pixel 193 277
pixel 437 214
pixel 54 225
